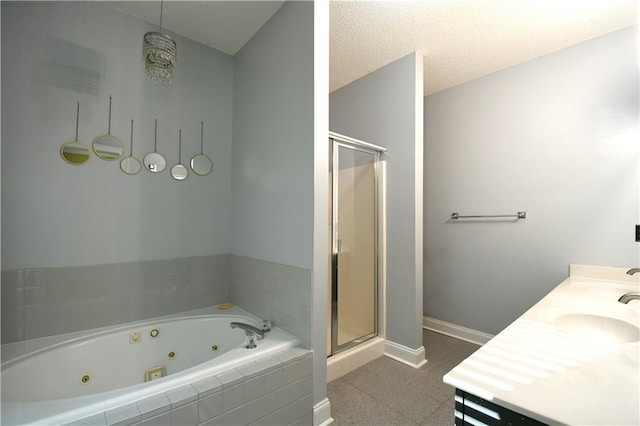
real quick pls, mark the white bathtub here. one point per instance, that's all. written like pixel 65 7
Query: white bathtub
pixel 97 371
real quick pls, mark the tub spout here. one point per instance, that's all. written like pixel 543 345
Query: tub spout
pixel 250 330
pixel 626 298
pixel 633 271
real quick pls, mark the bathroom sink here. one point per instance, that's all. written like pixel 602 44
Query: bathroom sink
pixel 597 328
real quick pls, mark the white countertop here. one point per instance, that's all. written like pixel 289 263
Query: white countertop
pixel 573 358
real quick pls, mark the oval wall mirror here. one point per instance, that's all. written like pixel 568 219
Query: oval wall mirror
pixel 130 165
pixel 201 164
pixel 154 161
pixel 75 152
pixel 108 147
pixel 179 172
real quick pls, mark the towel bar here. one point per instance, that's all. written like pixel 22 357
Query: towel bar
pixel 519 215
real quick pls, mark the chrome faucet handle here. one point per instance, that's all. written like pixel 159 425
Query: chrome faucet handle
pixel 251 341
pixel 633 271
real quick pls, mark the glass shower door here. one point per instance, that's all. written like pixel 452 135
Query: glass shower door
pixel 354 241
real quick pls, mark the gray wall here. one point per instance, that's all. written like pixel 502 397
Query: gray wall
pixel 101 214
pixel 557 137
pixel 272 173
pixel 272 178
pixel 385 108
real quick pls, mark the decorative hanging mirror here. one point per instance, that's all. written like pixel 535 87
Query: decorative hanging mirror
pixel 75 152
pixel 130 165
pixel 179 172
pixel 154 161
pixel 201 164
pixel 108 147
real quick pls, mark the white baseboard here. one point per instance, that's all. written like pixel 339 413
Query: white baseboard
pixel 351 359
pixel 457 331
pixel 412 357
pixel 322 413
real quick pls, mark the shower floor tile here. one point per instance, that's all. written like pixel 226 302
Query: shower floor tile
pixel 387 392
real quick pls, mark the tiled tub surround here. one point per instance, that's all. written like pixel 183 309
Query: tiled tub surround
pixel 48 301
pixel 573 358
pixel 278 292
pixel 268 385
pixel 42 302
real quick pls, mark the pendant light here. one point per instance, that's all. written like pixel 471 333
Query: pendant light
pixel 159 54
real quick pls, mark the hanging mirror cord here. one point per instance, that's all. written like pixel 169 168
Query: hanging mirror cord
pixel 155 137
pixel 201 137
pixel 131 144
pixel 109 131
pixel 179 146
pixel 77 117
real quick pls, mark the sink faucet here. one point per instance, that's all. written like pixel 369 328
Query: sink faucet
pixel 252 332
pixel 626 298
pixel 633 271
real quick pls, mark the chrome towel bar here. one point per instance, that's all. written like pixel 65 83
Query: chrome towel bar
pixel 519 215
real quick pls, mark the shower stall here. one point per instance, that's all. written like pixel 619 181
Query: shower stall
pixel 355 227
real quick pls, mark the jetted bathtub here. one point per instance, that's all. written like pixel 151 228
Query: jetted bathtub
pixel 101 370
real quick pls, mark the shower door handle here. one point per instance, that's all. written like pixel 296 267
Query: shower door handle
pixel 339 246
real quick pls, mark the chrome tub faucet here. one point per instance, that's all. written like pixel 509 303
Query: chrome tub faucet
pixel 253 333
pixel 633 271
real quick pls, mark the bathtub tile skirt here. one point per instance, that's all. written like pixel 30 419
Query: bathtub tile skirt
pixel 161 420
pixel 185 415
pixel 153 406
pixel 182 395
pixel 250 369
pixel 230 378
pixel 123 416
pixel 207 386
pixel 210 407
pixel 280 393
pixel 233 397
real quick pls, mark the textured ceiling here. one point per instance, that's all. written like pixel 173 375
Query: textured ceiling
pixel 463 39
pixel 222 25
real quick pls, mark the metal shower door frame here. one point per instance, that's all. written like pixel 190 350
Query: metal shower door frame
pixel 338 141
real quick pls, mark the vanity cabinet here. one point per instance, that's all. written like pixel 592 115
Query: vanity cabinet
pixel 471 409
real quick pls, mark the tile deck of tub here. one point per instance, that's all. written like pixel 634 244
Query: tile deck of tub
pixel 275 390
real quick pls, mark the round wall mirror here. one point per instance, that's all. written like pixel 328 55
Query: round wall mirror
pixel 201 164
pixel 154 162
pixel 179 172
pixel 130 165
pixel 75 153
pixel 108 147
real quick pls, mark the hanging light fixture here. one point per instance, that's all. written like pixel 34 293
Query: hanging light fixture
pixel 159 54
